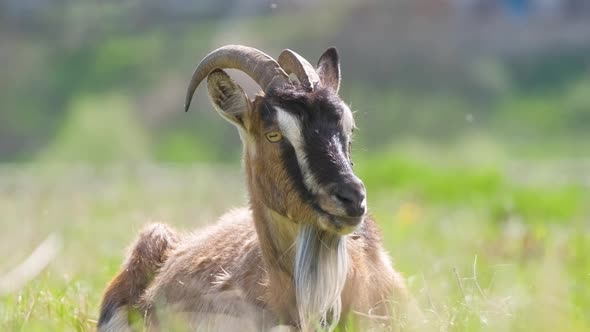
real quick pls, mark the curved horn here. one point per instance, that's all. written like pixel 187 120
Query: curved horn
pixel 294 63
pixel 261 67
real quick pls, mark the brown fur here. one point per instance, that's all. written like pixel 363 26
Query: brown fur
pixel 221 271
pixel 143 262
pixel 238 275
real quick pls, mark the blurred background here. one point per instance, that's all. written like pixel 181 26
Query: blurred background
pixel 77 77
pixel 473 140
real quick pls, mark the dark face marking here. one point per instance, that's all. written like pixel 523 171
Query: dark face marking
pixel 290 163
pixel 326 126
pixel 316 153
pixel 326 146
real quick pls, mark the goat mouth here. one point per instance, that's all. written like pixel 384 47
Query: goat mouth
pixel 341 225
pixel 336 222
pixel 348 221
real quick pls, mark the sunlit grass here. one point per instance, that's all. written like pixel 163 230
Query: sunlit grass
pixel 480 251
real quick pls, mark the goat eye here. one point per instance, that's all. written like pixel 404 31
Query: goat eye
pixel 274 136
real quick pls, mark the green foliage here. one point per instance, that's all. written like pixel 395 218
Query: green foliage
pixel 99 130
pixel 549 204
pixel 432 182
pixel 482 187
pixel 526 103
pixel 180 147
pixel 480 250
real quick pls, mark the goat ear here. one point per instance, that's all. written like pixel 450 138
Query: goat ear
pixel 228 98
pixel 329 69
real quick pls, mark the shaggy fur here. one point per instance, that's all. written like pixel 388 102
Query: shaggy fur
pixel 299 257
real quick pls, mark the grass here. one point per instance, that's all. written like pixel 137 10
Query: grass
pixel 483 248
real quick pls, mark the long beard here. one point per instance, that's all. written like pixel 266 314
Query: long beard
pixel 321 266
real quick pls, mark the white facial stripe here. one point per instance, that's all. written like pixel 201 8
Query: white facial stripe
pixel 347 124
pixel 291 129
pixel 340 151
pixel 347 119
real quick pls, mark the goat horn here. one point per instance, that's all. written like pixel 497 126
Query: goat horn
pixel 294 63
pixel 261 67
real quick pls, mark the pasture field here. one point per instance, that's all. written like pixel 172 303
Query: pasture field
pixel 500 246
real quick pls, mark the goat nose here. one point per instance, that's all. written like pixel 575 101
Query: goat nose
pixel 352 196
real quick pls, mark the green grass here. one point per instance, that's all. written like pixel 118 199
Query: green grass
pixel 483 248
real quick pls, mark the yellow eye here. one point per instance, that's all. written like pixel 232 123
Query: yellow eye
pixel 274 136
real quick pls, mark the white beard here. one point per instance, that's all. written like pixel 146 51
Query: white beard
pixel 321 267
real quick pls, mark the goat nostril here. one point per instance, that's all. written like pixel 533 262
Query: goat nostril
pixel 352 198
pixel 344 198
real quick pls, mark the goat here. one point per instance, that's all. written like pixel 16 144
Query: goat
pixel 304 254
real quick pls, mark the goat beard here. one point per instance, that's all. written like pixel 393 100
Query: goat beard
pixel 321 267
